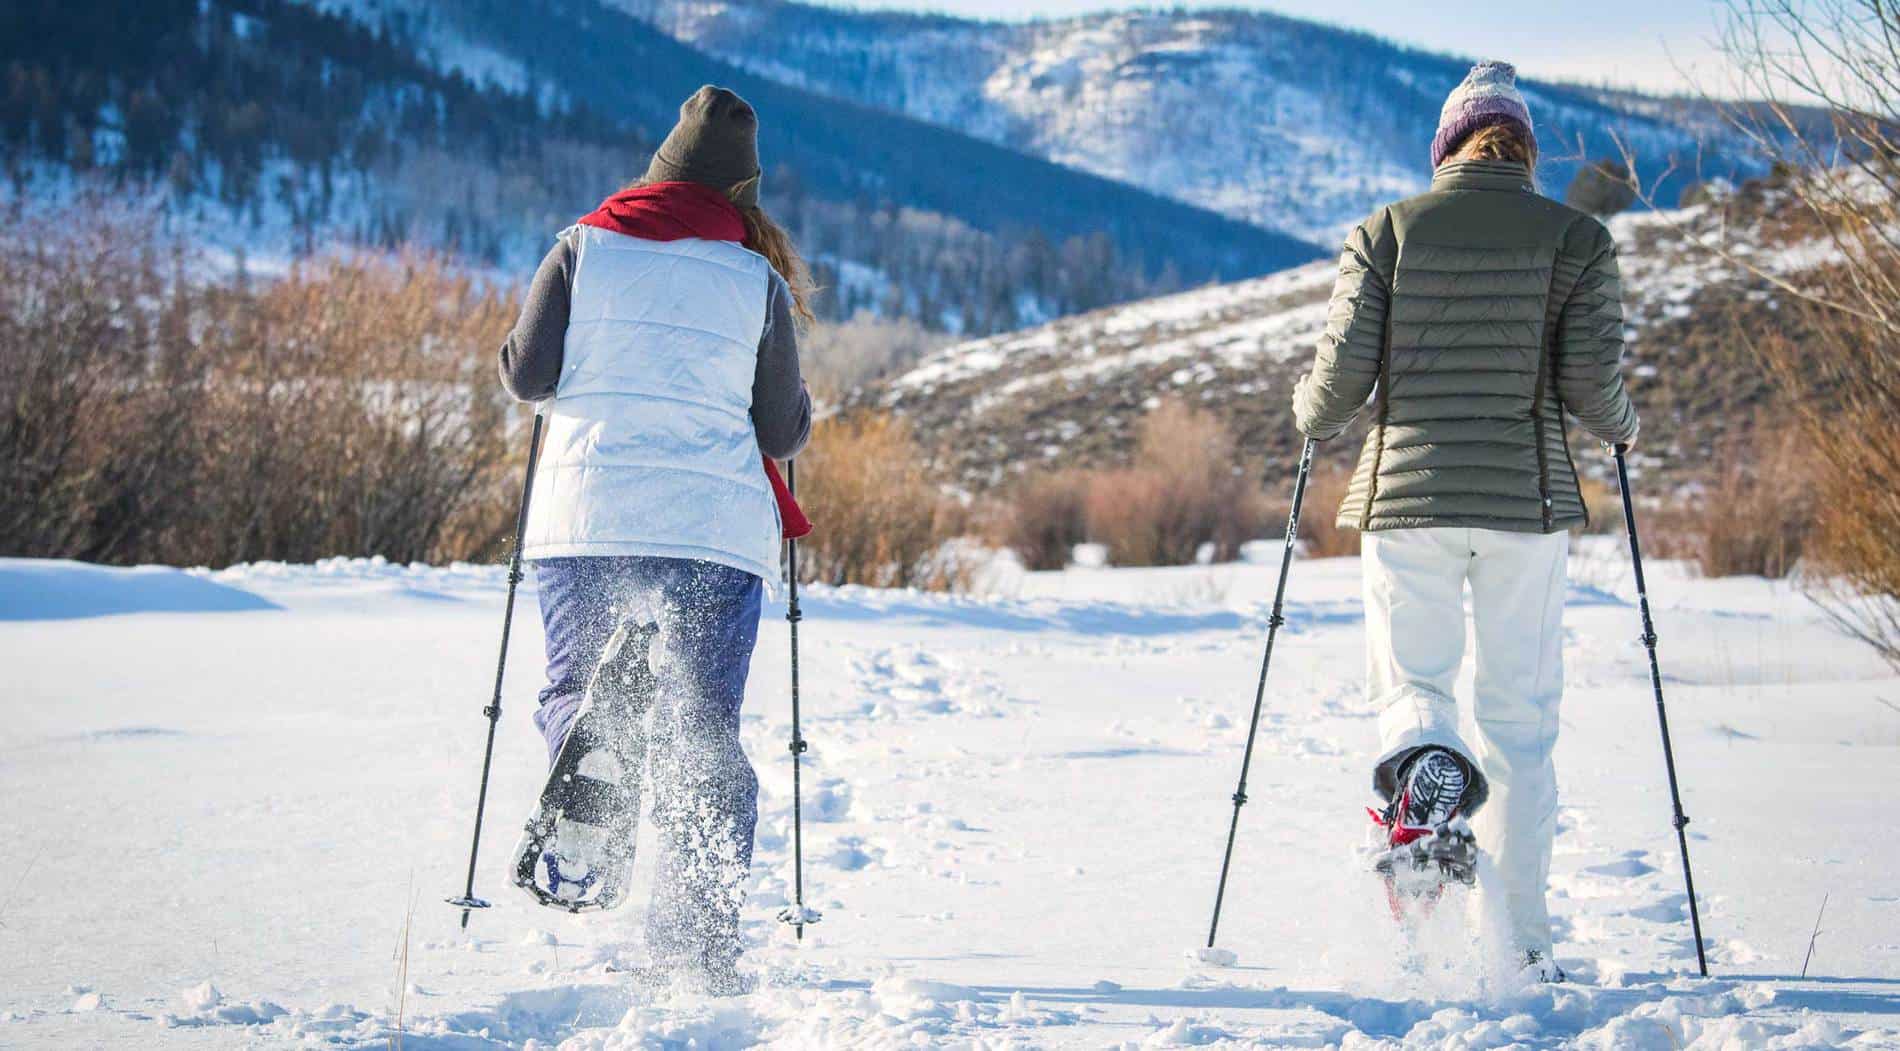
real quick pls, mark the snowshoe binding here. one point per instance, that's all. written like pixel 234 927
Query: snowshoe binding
pixel 1424 844
pixel 1540 967
pixel 576 851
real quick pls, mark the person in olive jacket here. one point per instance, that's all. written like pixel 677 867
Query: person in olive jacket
pixel 1473 316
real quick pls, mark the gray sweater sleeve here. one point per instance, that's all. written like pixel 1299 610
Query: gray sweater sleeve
pixel 781 406
pixel 531 356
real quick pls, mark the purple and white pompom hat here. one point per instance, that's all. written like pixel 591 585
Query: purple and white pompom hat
pixel 1488 95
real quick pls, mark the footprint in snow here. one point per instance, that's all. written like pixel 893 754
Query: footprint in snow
pixel 899 682
pixel 1627 868
pixel 828 800
pixel 851 854
pixel 1670 911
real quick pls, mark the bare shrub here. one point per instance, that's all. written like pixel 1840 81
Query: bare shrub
pixel 152 410
pixel 1602 506
pixel 1187 487
pixel 1044 516
pixel 878 518
pixel 1761 514
pixel 98 384
pixel 1755 516
pixel 356 413
pixel 1319 525
pixel 1846 397
pixel 1842 383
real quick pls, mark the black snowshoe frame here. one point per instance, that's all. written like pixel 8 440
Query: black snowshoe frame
pixel 1417 871
pixel 617 700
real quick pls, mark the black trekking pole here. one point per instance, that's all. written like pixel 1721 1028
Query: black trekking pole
pixel 797 915
pixel 1260 692
pixel 468 900
pixel 1662 715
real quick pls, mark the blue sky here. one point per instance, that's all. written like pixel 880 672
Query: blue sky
pixel 1638 43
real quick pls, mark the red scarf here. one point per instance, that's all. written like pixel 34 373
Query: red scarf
pixel 675 211
pixel 669 211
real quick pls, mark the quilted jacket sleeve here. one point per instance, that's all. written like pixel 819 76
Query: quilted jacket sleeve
pixel 1347 367
pixel 1589 351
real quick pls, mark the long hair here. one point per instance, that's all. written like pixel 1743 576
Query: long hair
pixel 1496 142
pixel 770 240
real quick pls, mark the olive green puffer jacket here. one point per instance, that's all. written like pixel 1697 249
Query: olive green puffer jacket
pixel 1473 315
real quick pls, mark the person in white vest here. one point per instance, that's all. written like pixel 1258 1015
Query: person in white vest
pixel 660 334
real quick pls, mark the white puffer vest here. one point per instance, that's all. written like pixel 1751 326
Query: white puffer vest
pixel 650 446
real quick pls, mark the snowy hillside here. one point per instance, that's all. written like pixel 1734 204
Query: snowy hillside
pixel 1070 392
pixel 285 128
pixel 1293 125
pixel 237 799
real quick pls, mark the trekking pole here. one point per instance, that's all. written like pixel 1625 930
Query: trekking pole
pixel 1274 621
pixel 468 900
pixel 797 915
pixel 1662 716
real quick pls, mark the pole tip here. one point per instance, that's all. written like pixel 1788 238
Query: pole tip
pixel 1214 957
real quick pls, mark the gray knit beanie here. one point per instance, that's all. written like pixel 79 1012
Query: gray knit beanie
pixel 1487 96
pixel 715 143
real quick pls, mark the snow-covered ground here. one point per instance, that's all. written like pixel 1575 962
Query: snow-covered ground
pixel 235 800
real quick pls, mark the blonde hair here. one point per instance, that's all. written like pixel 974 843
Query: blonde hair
pixel 770 240
pixel 1496 142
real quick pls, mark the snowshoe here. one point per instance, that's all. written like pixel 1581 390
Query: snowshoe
pixel 576 851
pixel 1424 844
pixel 1541 968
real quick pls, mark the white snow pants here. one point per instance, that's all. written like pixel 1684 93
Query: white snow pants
pixel 1415 641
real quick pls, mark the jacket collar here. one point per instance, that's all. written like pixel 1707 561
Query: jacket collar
pixel 1483 175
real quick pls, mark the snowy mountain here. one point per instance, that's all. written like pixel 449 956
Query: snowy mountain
pixel 484 126
pixel 1070 392
pixel 1289 124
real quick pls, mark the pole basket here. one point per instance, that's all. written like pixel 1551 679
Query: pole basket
pixel 799 915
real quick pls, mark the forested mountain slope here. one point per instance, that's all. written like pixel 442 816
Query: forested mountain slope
pixel 278 128
pixel 1291 124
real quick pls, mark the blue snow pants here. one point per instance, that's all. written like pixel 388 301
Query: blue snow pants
pixel 703 792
